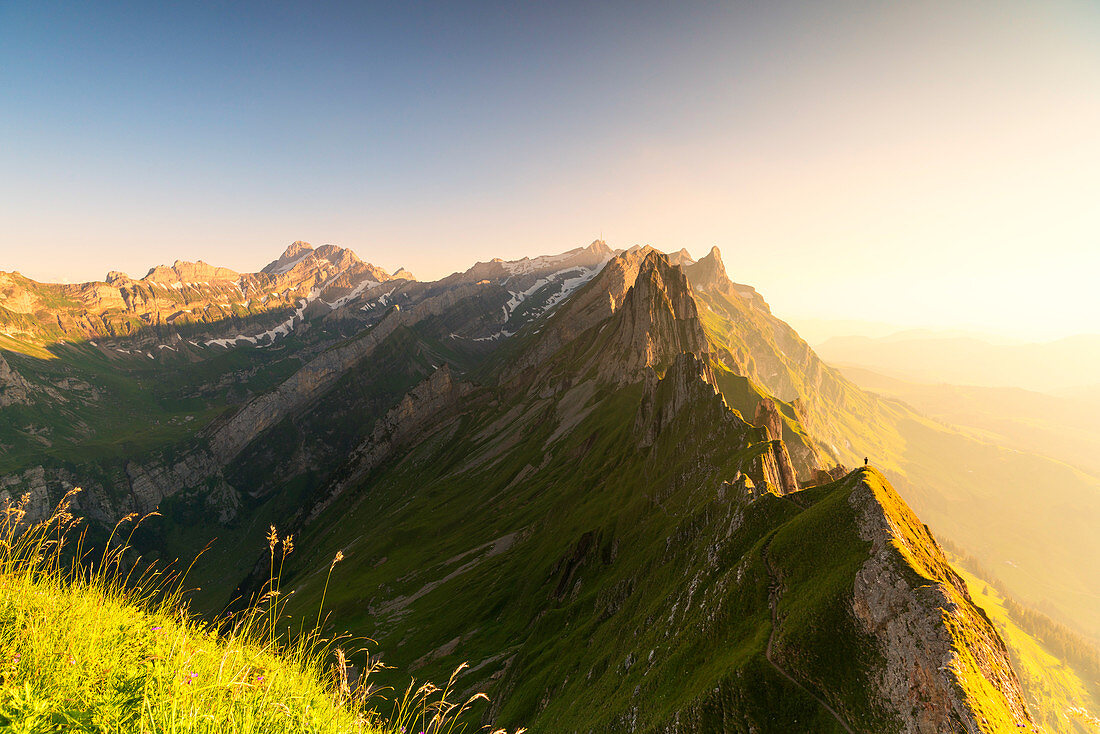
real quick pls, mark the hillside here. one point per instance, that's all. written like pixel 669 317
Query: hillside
pixel 1029 515
pixel 1064 698
pixel 93 647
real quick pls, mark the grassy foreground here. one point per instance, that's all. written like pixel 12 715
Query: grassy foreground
pixel 85 647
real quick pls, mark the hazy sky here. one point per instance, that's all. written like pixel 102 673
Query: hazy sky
pixel 918 163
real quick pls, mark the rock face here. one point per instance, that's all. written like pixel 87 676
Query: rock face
pixel 14 390
pixel 767 418
pixel 709 272
pixel 185 272
pixel 933 683
pixel 689 381
pixel 657 321
pixel 650 316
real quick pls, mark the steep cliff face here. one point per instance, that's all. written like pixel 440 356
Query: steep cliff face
pixel 945 667
pixel 646 316
pixel 14 390
pixel 767 419
pixel 435 399
pixel 688 381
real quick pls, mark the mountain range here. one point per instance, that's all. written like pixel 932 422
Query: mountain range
pixel 612 480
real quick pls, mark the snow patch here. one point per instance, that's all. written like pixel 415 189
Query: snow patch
pixel 527 265
pixel 382 300
pixel 368 283
pixel 289 265
pixel 282 329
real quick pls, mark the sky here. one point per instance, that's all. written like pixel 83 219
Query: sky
pixel 921 164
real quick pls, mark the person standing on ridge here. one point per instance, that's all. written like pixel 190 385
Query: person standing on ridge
pixel 865 461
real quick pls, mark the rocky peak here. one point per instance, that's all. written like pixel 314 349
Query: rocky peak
pixel 709 271
pixel 296 251
pixel 118 279
pixel 768 420
pixel 657 320
pixel 650 313
pixel 599 247
pixel 188 272
pixel 682 258
pixel 338 256
pixel 402 274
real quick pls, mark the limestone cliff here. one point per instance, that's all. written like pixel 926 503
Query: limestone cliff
pixel 767 418
pixel 945 667
pixel 14 389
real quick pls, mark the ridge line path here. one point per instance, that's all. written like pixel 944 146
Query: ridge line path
pixel 775 590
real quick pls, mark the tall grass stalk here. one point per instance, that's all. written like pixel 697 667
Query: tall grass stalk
pixel 89 647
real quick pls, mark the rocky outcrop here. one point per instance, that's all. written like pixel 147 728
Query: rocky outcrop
pixel 944 661
pixel 768 419
pixel 44 487
pixel 688 381
pixel 14 389
pixel 709 271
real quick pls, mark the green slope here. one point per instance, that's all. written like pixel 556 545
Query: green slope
pixel 1063 699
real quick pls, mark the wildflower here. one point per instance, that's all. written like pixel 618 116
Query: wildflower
pixel 272 538
pixel 156 629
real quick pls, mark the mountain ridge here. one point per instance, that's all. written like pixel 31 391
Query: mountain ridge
pixel 501 387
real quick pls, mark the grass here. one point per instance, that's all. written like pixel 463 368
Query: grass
pixel 1061 697
pixel 92 644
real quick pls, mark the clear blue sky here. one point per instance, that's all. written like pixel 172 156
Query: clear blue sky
pixel 929 163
